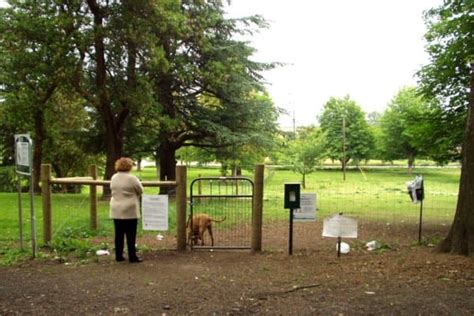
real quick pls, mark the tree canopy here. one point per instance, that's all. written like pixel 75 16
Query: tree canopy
pixel 403 126
pixel 348 135
pixel 448 77
pixel 306 151
pixel 152 76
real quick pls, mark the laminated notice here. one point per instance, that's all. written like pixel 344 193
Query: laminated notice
pixel 340 226
pixel 155 212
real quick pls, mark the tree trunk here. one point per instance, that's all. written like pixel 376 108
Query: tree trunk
pixel 344 162
pixel 460 239
pixel 411 163
pixel 237 171
pixel 157 163
pixel 114 151
pixel 38 148
pixel 113 122
pixel 167 156
pixel 139 164
pixel 59 174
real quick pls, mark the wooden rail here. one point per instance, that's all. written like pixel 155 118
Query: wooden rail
pixel 47 181
pixel 107 182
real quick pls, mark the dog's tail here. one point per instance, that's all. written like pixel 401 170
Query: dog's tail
pixel 218 220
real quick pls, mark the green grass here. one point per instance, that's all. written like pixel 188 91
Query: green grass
pixel 371 193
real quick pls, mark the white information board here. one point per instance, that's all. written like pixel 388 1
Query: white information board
pixel 307 210
pixel 155 212
pixel 23 154
pixel 340 226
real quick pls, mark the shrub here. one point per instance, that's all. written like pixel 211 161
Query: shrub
pixel 70 241
pixel 7 179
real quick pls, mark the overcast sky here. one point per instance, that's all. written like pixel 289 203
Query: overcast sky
pixel 368 49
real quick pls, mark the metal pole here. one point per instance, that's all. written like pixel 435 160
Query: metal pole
pixel 344 147
pixel 46 200
pixel 339 246
pixel 33 217
pixel 93 198
pixel 421 219
pixel 20 216
pixel 290 240
pixel 294 122
pixel 32 209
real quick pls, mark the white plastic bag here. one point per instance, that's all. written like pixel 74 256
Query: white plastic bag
pixel 102 252
pixel 345 248
pixel 372 245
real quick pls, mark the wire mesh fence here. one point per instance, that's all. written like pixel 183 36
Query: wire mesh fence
pixel 378 196
pixel 371 196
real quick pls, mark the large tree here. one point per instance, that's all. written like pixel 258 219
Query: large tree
pixel 402 125
pixel 348 135
pixel 110 37
pixel 171 67
pixel 449 76
pixel 33 59
pixel 206 93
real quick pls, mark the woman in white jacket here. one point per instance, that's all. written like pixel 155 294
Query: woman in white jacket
pixel 125 208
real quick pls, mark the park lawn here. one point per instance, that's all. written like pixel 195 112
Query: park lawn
pixel 371 193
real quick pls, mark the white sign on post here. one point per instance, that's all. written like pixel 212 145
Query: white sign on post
pixel 340 226
pixel 22 154
pixel 155 212
pixel 307 210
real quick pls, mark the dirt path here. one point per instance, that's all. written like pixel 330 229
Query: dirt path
pixel 406 279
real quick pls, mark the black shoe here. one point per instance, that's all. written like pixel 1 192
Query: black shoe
pixel 136 260
pixel 120 259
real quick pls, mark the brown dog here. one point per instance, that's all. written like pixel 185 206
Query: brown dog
pixel 200 223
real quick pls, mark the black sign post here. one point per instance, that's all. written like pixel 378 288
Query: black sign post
pixel 416 190
pixel 421 221
pixel 292 202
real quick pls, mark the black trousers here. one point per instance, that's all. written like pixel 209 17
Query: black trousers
pixel 128 228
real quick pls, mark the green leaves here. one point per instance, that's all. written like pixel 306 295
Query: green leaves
pixel 451 49
pixel 347 133
pixel 403 124
pixel 148 75
pixel 446 78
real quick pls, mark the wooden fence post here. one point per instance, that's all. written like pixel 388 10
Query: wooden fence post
pixel 257 212
pixel 181 200
pixel 46 198
pixel 93 198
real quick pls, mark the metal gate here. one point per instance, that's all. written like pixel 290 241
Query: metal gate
pixel 227 202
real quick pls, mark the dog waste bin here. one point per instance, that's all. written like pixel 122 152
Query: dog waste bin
pixel 416 189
